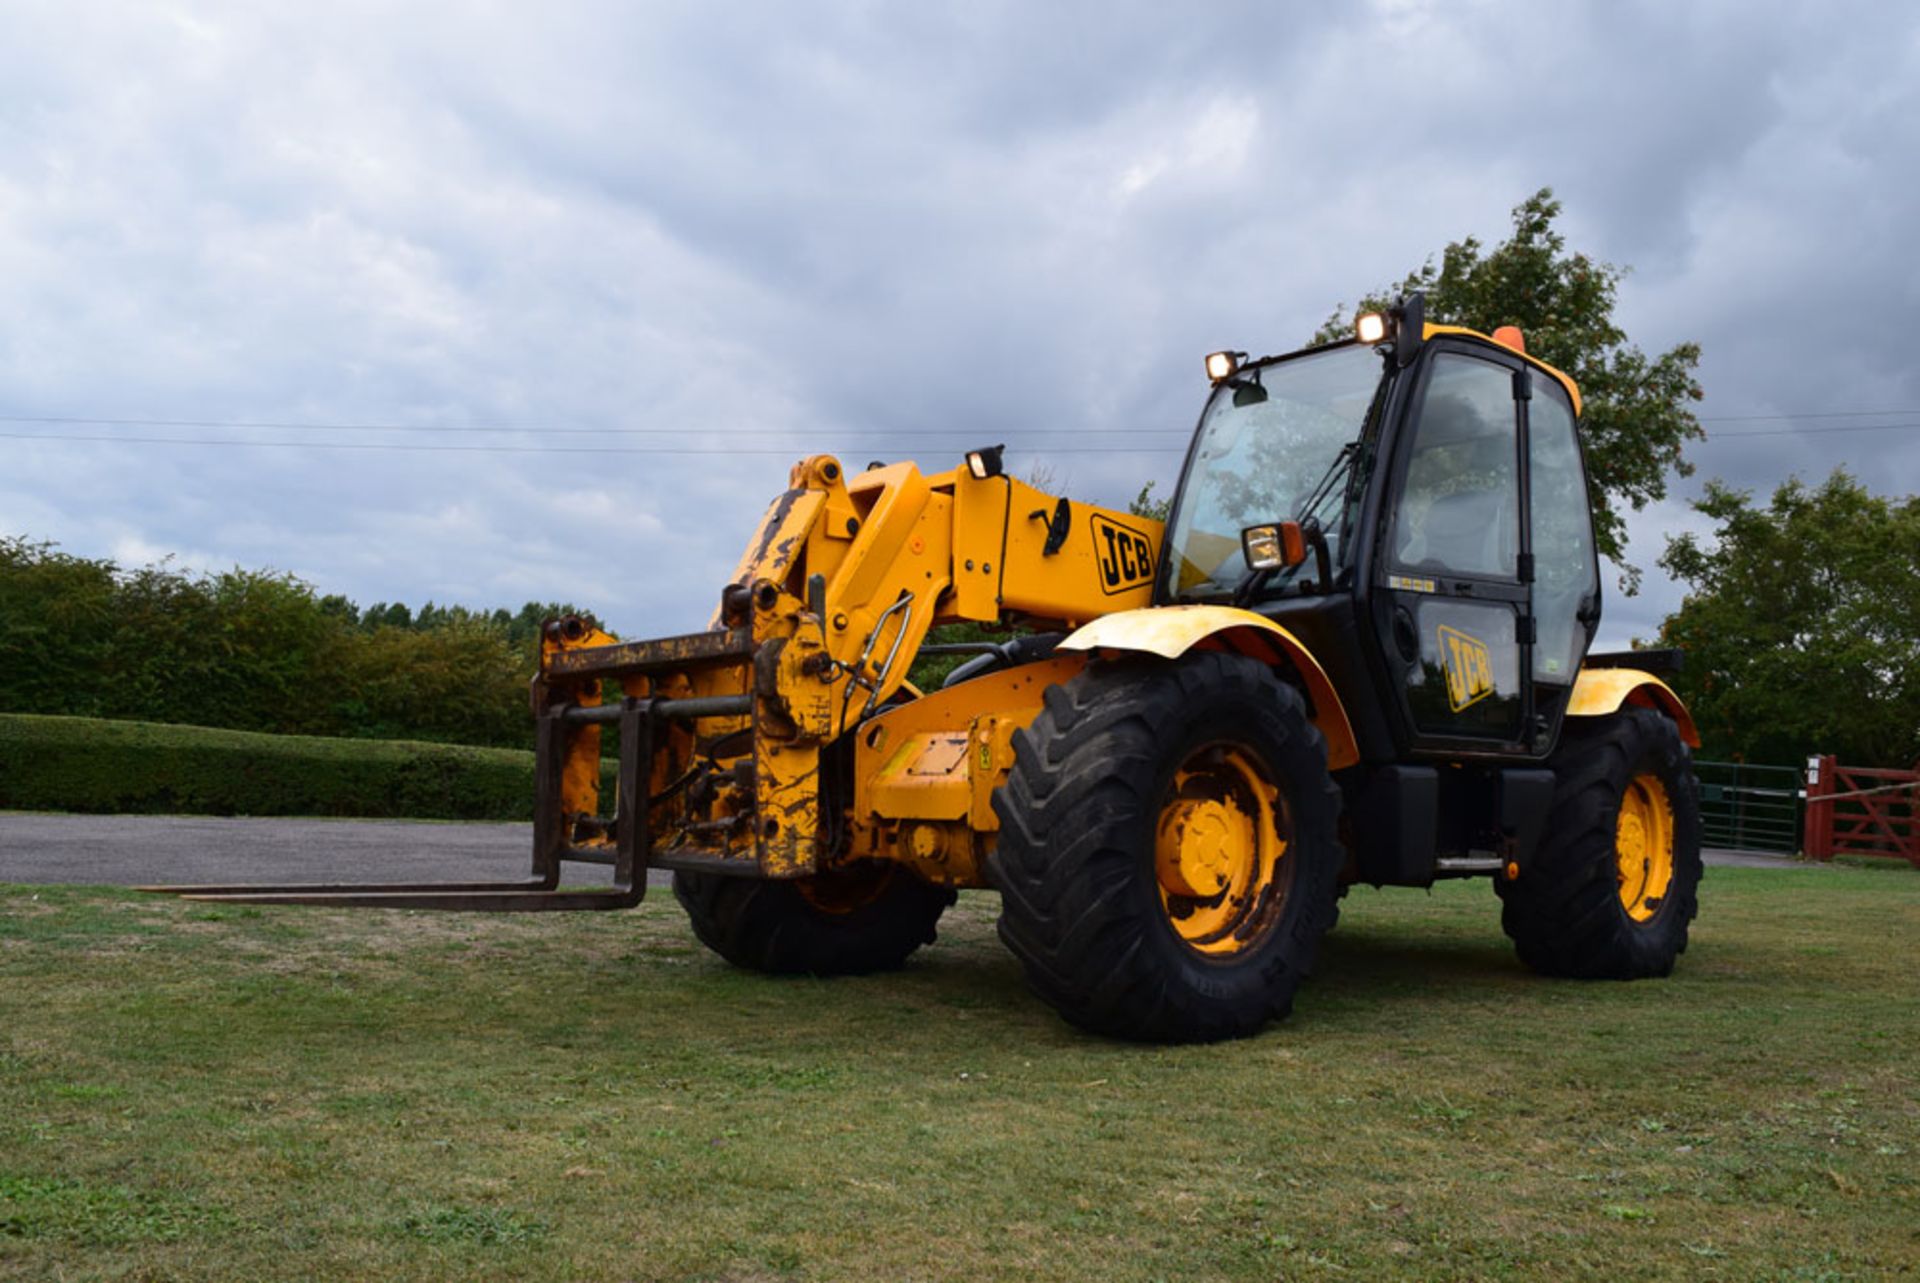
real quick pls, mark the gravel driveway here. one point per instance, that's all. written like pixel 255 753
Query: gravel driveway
pixel 127 850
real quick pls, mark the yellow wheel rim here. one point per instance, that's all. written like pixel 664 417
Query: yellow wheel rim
pixel 1219 852
pixel 1643 846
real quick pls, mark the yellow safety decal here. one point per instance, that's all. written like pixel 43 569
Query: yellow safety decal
pixel 1469 667
pixel 1407 583
pixel 1123 554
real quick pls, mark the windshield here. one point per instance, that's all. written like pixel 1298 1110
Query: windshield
pixel 1263 448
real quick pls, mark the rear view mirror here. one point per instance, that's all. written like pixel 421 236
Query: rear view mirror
pixel 1274 547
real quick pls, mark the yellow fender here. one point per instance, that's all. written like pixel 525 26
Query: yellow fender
pixel 1171 631
pixel 1600 691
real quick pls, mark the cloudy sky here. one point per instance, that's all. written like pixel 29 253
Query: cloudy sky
pixel 590 276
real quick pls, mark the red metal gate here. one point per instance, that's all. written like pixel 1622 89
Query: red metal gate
pixel 1862 810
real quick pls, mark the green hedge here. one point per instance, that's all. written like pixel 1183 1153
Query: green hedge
pixel 86 764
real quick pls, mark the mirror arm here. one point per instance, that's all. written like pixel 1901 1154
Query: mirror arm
pixel 1322 558
pixel 1248 587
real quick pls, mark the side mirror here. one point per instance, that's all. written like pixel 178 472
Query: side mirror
pixel 1274 547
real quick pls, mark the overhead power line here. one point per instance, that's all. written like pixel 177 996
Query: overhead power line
pixel 1813 432
pixel 541 430
pixel 418 448
pixel 1071 440
pixel 1822 414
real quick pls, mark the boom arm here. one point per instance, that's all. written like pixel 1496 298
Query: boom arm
pixel 897 552
pixel 824 616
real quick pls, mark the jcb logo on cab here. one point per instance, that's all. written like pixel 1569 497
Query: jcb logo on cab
pixel 1469 668
pixel 1124 555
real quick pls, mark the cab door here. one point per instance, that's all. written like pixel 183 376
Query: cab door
pixel 1566 570
pixel 1454 604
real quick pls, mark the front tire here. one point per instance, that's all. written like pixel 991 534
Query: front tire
pixel 1167 854
pixel 1616 882
pixel 848 922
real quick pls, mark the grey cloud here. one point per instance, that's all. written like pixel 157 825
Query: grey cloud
pixel 779 230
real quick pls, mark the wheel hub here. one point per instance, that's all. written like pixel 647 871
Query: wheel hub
pixel 1643 847
pixel 1218 851
pixel 1204 845
pixel 1633 839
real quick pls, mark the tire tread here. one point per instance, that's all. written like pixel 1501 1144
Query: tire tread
pixel 1068 862
pixel 1564 913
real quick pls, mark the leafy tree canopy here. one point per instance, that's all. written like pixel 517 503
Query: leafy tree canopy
pixel 1802 624
pixel 1145 505
pixel 1637 415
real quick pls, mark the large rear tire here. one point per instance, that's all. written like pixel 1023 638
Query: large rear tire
pixel 851 922
pixel 1167 852
pixel 1611 892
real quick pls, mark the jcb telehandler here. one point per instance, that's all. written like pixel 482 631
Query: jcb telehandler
pixel 1357 651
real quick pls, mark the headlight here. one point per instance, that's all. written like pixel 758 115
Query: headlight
pixel 1274 547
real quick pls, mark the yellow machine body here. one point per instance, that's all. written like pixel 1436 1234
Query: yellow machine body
pixel 829 605
pixel 828 608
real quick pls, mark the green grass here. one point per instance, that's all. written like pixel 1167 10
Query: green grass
pixel 92 765
pixel 201 1092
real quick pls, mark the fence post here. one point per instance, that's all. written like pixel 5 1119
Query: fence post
pixel 1822 781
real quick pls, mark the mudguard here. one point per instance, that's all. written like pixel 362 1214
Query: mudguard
pixel 1600 691
pixel 1171 631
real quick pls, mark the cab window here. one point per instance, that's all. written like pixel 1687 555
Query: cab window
pixel 1565 576
pixel 1459 505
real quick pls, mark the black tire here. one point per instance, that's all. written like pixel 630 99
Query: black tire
pixel 1082 906
pixel 838 924
pixel 1565 912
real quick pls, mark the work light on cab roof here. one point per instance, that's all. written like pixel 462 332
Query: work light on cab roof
pixel 1221 365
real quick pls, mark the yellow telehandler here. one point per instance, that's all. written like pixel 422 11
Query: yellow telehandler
pixel 1358 650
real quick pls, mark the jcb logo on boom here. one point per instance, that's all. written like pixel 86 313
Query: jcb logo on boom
pixel 1124 555
pixel 1469 668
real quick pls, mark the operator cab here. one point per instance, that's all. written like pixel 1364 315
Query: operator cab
pixel 1412 504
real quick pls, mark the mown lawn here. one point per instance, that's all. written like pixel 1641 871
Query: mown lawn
pixel 200 1092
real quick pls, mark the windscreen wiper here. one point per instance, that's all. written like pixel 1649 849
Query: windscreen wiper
pixel 1308 516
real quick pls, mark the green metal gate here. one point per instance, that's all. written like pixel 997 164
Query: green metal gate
pixel 1750 808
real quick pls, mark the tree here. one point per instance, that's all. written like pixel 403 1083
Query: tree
pixel 1802 623
pixel 1636 409
pixel 1145 505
